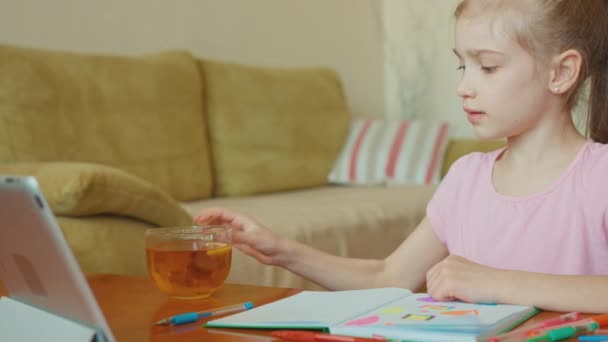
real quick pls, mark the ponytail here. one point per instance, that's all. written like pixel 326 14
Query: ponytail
pixel 597 119
pixel 597 122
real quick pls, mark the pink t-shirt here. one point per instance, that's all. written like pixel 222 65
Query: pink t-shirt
pixel 561 230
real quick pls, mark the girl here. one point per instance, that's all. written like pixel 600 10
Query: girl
pixel 527 224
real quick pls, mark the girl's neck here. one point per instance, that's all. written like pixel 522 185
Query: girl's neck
pixel 550 140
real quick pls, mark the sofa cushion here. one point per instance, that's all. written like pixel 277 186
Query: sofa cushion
pixel 80 189
pixel 107 244
pixel 379 151
pixel 139 114
pixel 272 129
pixel 360 222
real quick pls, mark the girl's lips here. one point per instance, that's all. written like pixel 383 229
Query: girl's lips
pixel 475 117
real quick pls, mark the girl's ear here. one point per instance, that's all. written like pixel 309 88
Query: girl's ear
pixel 565 70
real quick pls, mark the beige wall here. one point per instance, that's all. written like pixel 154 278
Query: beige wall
pixel 411 46
pixel 420 67
pixel 342 34
pixel 441 101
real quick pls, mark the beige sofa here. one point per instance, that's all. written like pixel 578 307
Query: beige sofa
pixel 120 144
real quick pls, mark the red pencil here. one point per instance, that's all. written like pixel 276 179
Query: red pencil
pixel 314 336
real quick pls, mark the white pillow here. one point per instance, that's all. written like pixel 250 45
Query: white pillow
pixel 381 151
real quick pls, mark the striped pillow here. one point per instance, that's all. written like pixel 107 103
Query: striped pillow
pixel 391 151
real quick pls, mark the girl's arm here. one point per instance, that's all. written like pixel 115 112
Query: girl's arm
pixel 554 292
pixel 406 267
pixel 458 278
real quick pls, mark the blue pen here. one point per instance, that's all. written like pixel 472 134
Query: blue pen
pixel 194 316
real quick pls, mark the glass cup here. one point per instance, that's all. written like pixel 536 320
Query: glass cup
pixel 189 262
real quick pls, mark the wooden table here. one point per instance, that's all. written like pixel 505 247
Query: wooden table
pixel 131 304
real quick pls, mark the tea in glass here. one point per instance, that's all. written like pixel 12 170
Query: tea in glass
pixel 189 262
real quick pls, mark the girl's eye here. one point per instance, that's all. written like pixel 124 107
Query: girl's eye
pixel 460 67
pixel 489 70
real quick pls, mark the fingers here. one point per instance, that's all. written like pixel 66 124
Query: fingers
pixel 431 281
pixel 436 283
pixel 440 291
pixel 431 275
pixel 247 235
pixel 225 216
pixel 215 215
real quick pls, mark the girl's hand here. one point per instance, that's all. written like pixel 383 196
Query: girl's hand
pixel 458 278
pixel 248 235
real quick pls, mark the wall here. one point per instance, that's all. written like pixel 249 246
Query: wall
pixel 420 67
pixel 443 102
pixel 342 34
pixel 394 56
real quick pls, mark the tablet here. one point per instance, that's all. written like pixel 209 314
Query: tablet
pixel 37 266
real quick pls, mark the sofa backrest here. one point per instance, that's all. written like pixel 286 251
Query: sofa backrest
pixel 272 129
pixel 143 115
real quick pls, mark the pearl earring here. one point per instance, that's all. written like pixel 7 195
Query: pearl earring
pixel 556 89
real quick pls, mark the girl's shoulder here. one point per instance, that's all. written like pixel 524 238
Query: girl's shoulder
pixel 475 161
pixel 595 163
pixel 466 175
pixel 470 170
pixel 597 152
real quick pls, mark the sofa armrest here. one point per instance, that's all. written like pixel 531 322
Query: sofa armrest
pixel 86 189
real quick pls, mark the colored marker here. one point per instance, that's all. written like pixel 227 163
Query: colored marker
pixel 602 320
pixel 534 330
pixel 562 333
pixel 557 333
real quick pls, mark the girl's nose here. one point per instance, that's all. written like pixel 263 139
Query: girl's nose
pixel 465 89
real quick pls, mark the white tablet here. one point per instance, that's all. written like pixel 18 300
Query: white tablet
pixel 36 265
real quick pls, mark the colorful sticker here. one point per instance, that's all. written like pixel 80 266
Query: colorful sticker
pixel 391 310
pixel 461 313
pixel 437 307
pixel 364 321
pixel 415 317
pixel 428 299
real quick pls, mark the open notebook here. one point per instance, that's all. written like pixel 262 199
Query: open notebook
pixel 385 312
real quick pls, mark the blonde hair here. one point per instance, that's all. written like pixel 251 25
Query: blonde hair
pixel 548 27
